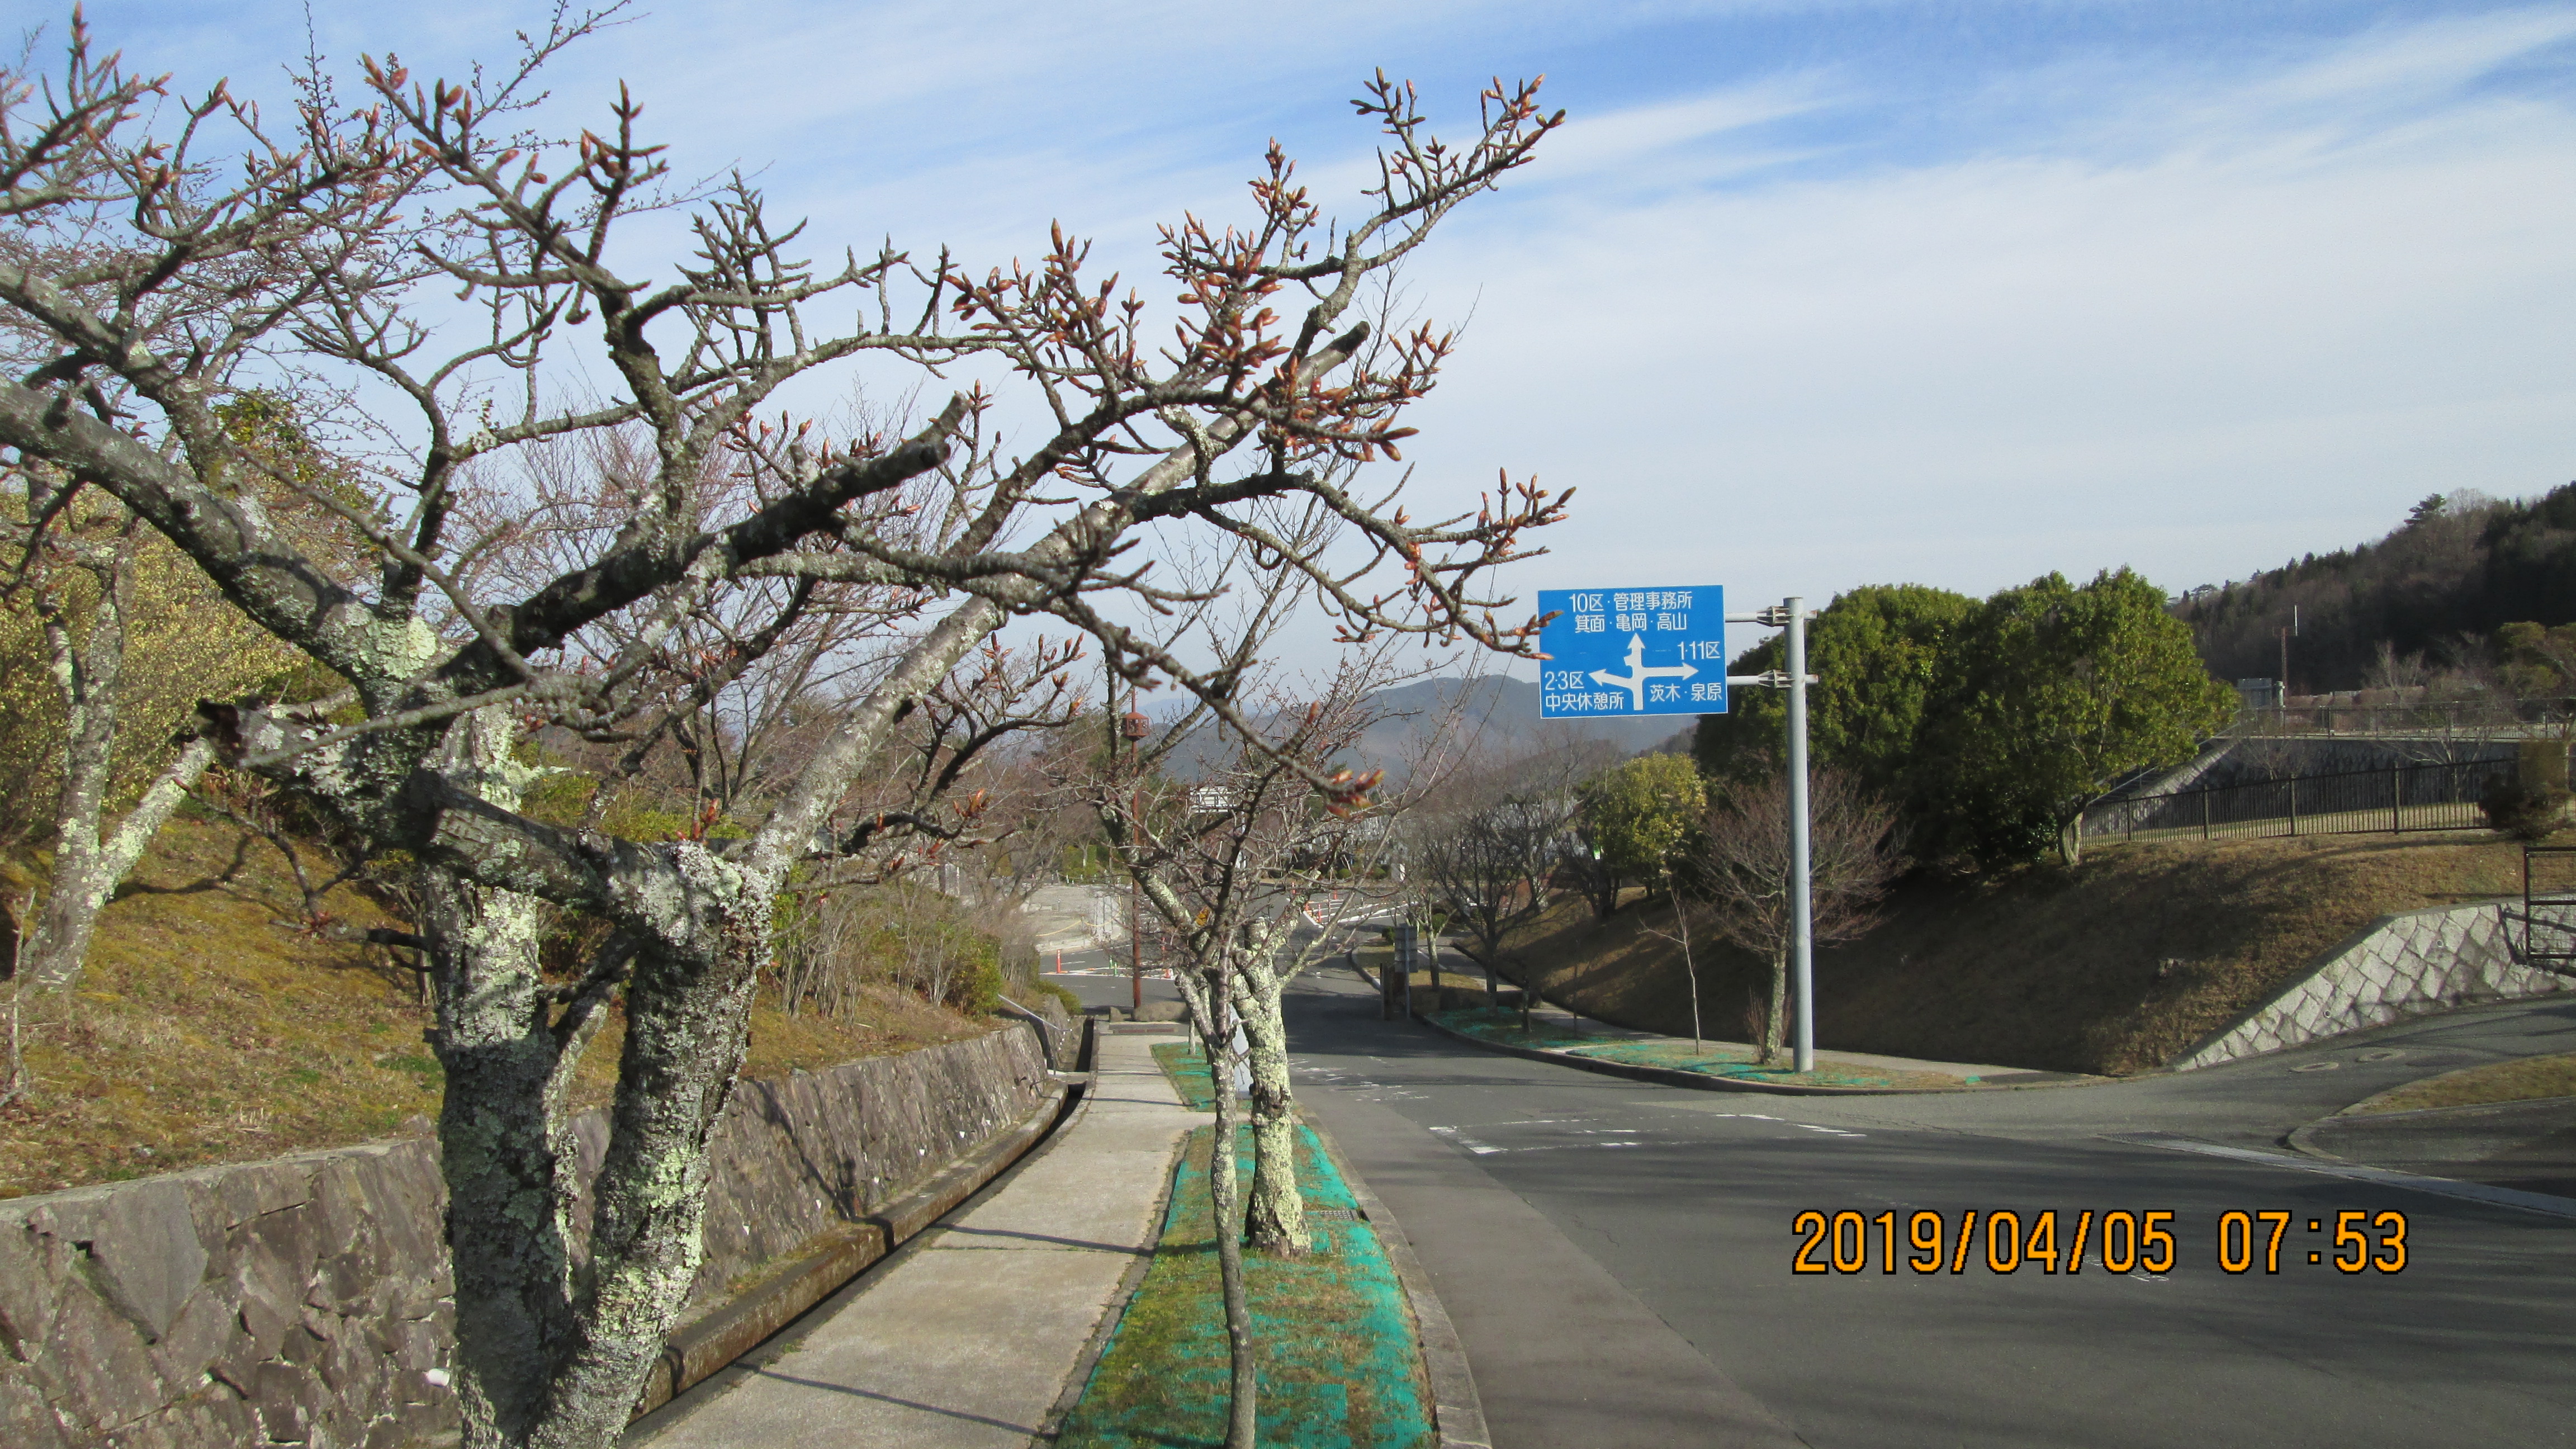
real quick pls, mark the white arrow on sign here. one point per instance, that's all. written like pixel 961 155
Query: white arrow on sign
pixel 1634 681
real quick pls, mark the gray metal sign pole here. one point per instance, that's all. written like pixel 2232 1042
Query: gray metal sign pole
pixel 1792 616
pixel 1800 885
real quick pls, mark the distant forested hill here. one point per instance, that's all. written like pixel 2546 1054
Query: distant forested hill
pixel 2441 583
pixel 1499 714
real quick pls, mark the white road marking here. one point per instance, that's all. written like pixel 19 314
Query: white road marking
pixel 2536 1202
pixel 1453 1135
pixel 1360 1087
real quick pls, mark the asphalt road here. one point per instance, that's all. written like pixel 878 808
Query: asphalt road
pixel 1101 978
pixel 1618 1255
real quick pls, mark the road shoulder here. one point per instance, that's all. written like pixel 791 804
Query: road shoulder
pixel 1565 1354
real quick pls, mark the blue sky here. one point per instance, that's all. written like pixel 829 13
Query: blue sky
pixel 1806 295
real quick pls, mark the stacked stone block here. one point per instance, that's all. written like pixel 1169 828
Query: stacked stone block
pixel 2399 966
pixel 307 1300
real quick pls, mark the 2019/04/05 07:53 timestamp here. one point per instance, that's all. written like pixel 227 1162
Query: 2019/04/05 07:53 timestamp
pixel 2120 1240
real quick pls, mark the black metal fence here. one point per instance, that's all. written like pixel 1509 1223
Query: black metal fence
pixel 2393 798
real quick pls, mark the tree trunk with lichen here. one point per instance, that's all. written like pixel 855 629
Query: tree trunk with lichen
pixel 1243 1409
pixel 555 1333
pixel 1275 1218
pixel 510 1188
pixel 88 668
pixel 687 1024
pixel 558 1332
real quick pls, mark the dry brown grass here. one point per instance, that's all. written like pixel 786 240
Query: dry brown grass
pixel 2111 968
pixel 2527 1080
pixel 204 1031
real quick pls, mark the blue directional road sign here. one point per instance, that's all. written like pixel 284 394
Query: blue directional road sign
pixel 1632 651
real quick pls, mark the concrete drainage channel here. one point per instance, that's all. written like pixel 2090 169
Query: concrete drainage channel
pixel 697 1350
pixel 704 1347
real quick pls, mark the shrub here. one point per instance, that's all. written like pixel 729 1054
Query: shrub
pixel 975 988
pixel 2523 810
pixel 2530 803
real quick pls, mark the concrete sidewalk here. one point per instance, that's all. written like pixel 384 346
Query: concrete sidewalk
pixel 969 1340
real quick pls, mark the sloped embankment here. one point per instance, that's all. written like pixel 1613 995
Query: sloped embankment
pixel 210 1028
pixel 2112 968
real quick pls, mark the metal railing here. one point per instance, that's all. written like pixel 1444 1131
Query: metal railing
pixel 2461 721
pixel 2547 938
pixel 2388 798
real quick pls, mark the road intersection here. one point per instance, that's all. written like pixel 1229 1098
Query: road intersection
pixel 1620 1257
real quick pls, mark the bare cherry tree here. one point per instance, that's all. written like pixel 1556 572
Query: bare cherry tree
pixel 329 247
pixel 1680 886
pixel 123 630
pixel 1487 842
pixel 1230 859
pixel 86 652
pixel 1743 871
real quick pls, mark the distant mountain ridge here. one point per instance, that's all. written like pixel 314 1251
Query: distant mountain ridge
pixel 1506 712
pixel 2437 585
pixel 1502 713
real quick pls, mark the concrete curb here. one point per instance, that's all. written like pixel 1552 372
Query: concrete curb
pixel 1107 1327
pixel 1670 1077
pixel 1457 1412
pixel 1701 1081
pixel 2303 1139
pixel 697 1350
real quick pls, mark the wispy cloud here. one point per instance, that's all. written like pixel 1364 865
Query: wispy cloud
pixel 2100 346
pixel 1807 295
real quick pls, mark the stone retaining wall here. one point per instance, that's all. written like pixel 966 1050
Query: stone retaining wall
pixel 307 1300
pixel 2399 966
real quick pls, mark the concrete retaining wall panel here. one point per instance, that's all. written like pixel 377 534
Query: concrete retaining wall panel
pixel 307 1300
pixel 2403 965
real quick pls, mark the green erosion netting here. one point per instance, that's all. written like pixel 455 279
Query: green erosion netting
pixel 1339 1365
pixel 1188 1071
pixel 1741 1062
pixel 1503 1025
pixel 1676 1055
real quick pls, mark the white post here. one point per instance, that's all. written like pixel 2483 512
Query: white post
pixel 1803 946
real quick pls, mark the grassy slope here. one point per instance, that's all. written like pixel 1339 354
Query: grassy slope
pixel 2529 1079
pixel 204 1031
pixel 2111 968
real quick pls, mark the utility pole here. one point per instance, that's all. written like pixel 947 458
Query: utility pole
pixel 1133 726
pixel 2288 632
